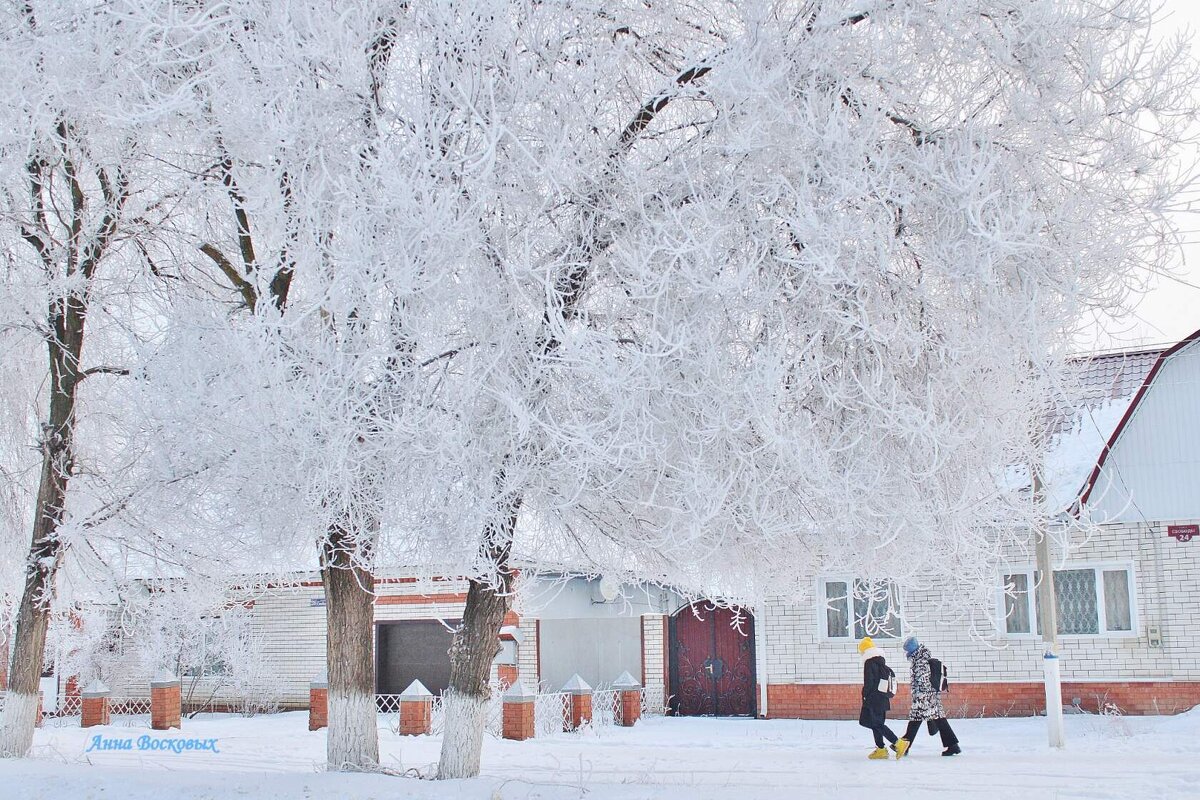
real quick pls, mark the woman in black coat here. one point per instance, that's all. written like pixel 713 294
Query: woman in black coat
pixel 878 688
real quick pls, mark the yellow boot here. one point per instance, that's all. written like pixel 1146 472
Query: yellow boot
pixel 878 752
pixel 902 746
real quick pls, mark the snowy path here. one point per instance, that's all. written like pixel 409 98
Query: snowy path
pixel 277 757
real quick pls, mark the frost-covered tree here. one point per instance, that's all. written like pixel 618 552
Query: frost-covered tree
pixel 771 277
pixel 198 632
pixel 718 294
pixel 76 191
pixel 288 354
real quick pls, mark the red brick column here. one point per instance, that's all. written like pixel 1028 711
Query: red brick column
pixel 318 703
pixel 94 705
pixel 37 721
pixel 165 703
pixel 580 701
pixel 629 699
pixel 416 710
pixel 518 713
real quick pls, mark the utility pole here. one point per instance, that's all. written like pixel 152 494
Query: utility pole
pixel 1047 613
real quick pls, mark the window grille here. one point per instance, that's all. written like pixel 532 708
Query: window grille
pixel 1090 601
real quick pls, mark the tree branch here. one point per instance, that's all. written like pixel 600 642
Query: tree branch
pixel 240 215
pixel 115 195
pixel 243 286
pixel 281 281
pixel 103 370
pixel 78 199
pixel 447 354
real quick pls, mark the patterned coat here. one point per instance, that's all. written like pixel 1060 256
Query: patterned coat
pixel 926 703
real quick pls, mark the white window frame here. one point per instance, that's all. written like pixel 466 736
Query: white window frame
pixel 1099 567
pixel 823 604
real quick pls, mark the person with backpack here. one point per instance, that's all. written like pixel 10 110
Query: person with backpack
pixel 929 680
pixel 879 686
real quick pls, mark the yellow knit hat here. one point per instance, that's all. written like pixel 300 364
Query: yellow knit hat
pixel 865 645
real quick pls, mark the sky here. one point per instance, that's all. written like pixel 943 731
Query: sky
pixel 1170 309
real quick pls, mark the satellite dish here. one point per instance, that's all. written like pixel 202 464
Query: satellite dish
pixel 610 588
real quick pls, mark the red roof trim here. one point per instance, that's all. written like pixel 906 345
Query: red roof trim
pixel 1086 491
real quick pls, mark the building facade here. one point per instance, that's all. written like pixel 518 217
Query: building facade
pixel 1128 595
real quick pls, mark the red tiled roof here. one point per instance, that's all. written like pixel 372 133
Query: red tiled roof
pixel 1114 375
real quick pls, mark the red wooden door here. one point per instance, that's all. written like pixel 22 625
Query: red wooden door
pixel 712 662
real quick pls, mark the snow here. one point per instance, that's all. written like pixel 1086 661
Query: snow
pixel 1073 453
pixel 275 756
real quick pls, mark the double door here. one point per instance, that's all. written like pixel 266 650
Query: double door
pixel 711 661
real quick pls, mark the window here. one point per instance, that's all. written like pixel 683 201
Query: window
pixel 1091 601
pixel 203 658
pixel 1016 603
pixel 864 608
pixel 1118 607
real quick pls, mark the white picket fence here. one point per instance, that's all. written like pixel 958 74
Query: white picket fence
pixel 551 710
pixel 130 712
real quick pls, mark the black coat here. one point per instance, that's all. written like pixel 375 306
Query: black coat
pixel 875 704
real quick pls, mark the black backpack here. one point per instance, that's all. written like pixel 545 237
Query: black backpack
pixel 938 676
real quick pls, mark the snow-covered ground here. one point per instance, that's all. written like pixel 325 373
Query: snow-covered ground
pixel 271 757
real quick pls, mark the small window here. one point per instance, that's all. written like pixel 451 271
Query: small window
pixel 1016 603
pixel 1118 611
pixel 875 606
pixel 837 609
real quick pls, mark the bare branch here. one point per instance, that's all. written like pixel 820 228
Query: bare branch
pixel 243 286
pixel 103 370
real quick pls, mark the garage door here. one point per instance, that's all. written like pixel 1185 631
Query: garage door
pixel 413 650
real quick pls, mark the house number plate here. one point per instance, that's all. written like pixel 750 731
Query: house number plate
pixel 1183 533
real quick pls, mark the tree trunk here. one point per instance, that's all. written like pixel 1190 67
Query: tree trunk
pixel 477 641
pixel 29 643
pixel 67 315
pixel 476 644
pixel 352 736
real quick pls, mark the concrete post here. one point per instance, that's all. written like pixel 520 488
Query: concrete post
pixel 1047 607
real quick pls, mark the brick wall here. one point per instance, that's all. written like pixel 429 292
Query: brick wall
pixel 527 653
pixel 996 674
pixel 843 701
pixel 653 650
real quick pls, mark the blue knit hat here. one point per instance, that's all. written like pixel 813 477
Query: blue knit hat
pixel 911 644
